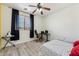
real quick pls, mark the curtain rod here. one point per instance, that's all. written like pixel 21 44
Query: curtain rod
pixel 20 10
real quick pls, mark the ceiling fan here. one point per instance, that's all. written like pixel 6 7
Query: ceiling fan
pixel 39 7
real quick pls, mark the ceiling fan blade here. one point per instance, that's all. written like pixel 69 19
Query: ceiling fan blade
pixel 45 8
pixel 41 12
pixel 32 6
pixel 34 11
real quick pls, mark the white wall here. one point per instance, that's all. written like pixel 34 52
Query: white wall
pixel 64 23
pixel 6 19
pixel 38 23
pixel 24 34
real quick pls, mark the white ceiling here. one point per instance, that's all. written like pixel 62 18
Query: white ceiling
pixel 52 6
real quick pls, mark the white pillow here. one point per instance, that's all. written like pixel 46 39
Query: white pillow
pixel 68 39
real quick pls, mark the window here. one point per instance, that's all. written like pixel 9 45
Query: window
pixel 27 23
pixel 23 22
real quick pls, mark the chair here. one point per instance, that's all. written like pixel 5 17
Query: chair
pixel 7 39
pixel 41 38
pixel 36 33
pixel 46 33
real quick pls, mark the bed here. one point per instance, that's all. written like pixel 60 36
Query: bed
pixel 56 48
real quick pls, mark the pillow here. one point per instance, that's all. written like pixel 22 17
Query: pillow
pixel 75 51
pixel 69 39
pixel 76 43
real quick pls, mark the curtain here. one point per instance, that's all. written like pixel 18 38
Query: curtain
pixel 31 26
pixel 15 14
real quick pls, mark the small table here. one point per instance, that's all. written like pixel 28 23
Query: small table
pixel 7 39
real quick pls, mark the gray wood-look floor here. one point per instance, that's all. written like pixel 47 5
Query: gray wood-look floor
pixel 25 49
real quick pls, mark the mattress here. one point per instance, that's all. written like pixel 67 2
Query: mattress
pixel 56 48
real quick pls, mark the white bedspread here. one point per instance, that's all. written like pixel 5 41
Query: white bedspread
pixel 56 48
